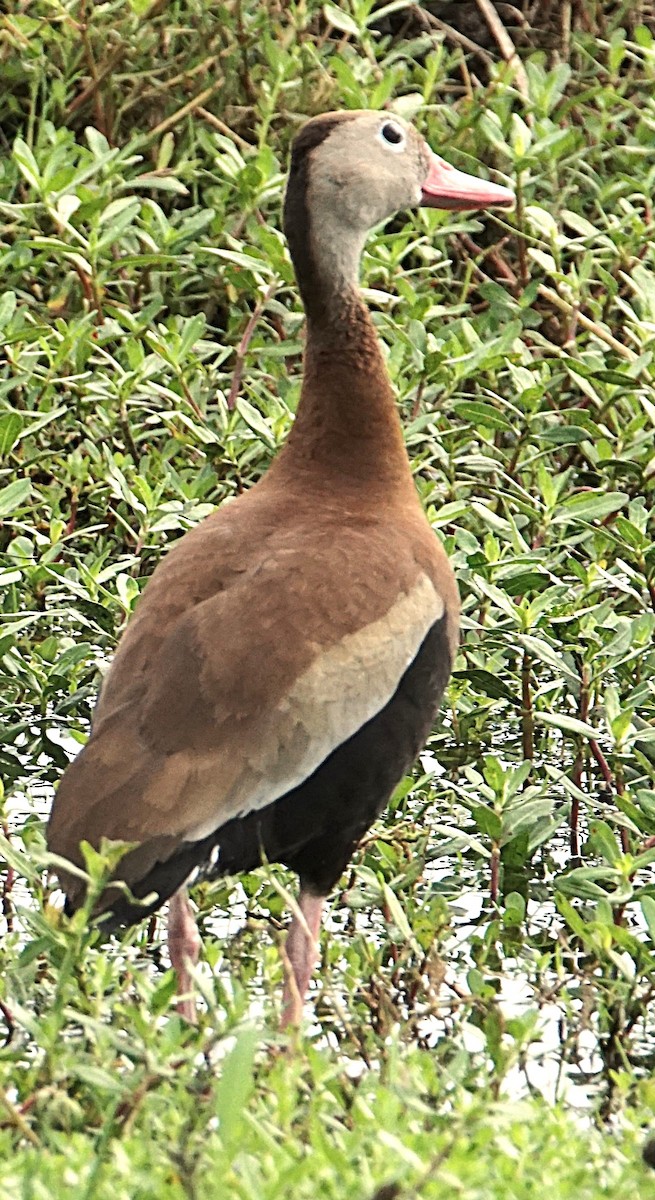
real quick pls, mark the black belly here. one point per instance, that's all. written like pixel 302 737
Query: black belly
pixel 315 828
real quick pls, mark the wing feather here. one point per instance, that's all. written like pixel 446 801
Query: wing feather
pixel 216 708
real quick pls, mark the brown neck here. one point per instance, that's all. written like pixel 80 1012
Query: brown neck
pixel 347 427
pixel 347 433
pixel 347 430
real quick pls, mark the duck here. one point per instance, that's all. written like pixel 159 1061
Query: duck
pixel 287 658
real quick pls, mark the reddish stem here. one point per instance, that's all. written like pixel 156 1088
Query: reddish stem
pixel 242 348
pixel 7 887
pixel 9 1021
pixel 602 763
pixel 615 783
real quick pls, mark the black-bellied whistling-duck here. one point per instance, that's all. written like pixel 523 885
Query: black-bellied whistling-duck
pixel 285 664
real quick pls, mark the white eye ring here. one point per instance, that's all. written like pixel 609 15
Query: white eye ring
pixel 392 136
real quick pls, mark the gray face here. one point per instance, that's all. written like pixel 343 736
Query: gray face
pixel 351 171
pixel 366 170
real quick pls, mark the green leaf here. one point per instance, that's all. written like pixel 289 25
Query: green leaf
pixel 254 419
pixel 567 724
pixel 99 1078
pixel 565 435
pixel 585 882
pixel 487 821
pixel 524 816
pixel 631 533
pixel 580 224
pixel 573 918
pixel 240 259
pixel 541 650
pixel 235 1085
pixel 494 773
pixel 27 163
pixel 496 594
pixel 117 217
pixel 648 909
pixel 603 842
pixel 385 10
pixel 7 308
pixel 341 20
pixel 644 860
pixel 589 506
pixel 515 908
pixel 482 415
pixel 11 425
pixel 42 420
pixel 160 181
pixel 14 497
pixel 398 916
pixel 490 684
pixel 194 328
pixel 97 141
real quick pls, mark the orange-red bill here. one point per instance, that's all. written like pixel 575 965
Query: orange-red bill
pixel 446 187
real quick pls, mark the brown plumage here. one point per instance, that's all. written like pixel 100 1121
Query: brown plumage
pixel 286 661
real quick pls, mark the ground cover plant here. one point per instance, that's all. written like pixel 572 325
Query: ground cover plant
pixel 482 1022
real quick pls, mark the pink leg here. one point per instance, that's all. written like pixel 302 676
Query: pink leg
pixel 183 948
pixel 301 952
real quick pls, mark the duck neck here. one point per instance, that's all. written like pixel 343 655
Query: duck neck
pixel 347 428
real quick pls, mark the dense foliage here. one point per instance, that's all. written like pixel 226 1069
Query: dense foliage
pixel 483 1015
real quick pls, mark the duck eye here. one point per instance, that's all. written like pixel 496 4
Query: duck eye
pixel 392 135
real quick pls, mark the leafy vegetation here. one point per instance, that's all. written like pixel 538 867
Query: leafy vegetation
pixel 483 1015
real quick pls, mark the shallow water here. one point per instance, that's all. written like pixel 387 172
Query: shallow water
pixel 561 1061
